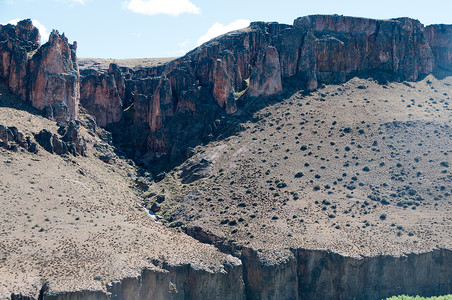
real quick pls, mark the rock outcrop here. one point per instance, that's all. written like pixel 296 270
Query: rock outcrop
pixel 303 274
pixel 45 76
pixel 149 104
pixel 102 93
pixel 11 138
pixel 180 282
pixel 166 110
pixel 15 44
pixel 54 79
pixel 319 274
pixel 254 62
pixel 71 141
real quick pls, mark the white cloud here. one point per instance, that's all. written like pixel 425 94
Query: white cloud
pixel 73 2
pixel 42 29
pixel 219 29
pixel 168 7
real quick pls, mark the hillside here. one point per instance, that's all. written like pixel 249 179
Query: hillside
pixel 76 223
pixel 304 161
pixel 360 168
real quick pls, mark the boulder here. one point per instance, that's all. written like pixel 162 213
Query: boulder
pixel 11 138
pixel 70 141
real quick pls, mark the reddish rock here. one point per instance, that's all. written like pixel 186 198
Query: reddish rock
pixel 54 79
pixel 223 89
pixel 16 41
pixel 23 34
pixel 265 79
pixel 45 76
pixel 307 64
pixel 345 45
pixel 17 79
pixel 195 91
pixel 101 94
pixel 161 104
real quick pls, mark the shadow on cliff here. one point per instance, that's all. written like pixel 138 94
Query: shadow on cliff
pixel 188 130
pixel 441 73
pixel 8 99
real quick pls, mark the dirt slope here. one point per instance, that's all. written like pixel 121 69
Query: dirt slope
pixel 359 168
pixel 76 223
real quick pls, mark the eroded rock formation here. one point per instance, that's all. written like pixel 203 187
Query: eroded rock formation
pixel 150 103
pixel 54 79
pixel 45 76
pixel 102 95
pixel 167 109
pixel 317 274
pixel 11 138
pixel 71 141
pixel 254 62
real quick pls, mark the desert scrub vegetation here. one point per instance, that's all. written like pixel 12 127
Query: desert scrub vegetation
pixel 404 297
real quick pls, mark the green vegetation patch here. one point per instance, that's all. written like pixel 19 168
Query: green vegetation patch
pixel 404 297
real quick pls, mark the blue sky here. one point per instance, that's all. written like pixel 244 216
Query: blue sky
pixel 164 28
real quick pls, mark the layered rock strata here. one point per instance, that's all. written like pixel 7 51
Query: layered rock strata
pixel 303 274
pixel 168 283
pixel 316 274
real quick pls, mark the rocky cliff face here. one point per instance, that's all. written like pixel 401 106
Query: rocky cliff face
pixel 316 274
pixel 46 76
pixel 54 79
pixel 254 62
pixel 102 95
pixel 15 43
pixel 171 283
pixel 251 62
pixel 299 274
pixel 440 40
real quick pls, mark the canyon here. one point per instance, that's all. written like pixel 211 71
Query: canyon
pixel 201 124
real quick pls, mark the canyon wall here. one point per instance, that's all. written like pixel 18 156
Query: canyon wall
pixel 150 108
pixel 210 80
pixel 46 76
pixel 440 40
pixel 302 274
pixel 317 274
pixel 166 110
pixel 173 283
